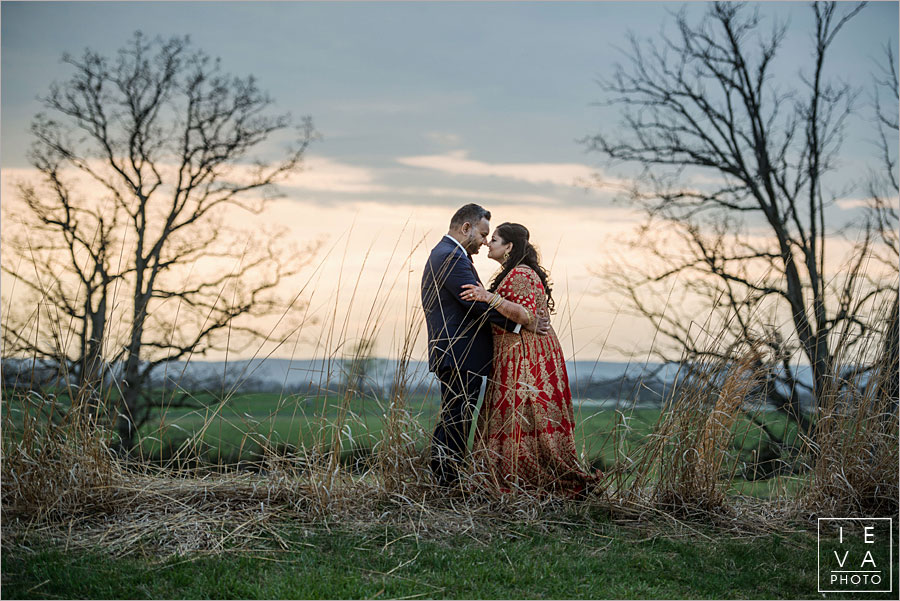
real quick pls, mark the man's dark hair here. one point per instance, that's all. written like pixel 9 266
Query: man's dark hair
pixel 471 213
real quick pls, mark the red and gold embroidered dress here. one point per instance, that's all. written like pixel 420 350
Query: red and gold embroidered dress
pixel 525 428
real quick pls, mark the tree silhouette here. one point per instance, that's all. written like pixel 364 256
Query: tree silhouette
pixel 122 235
pixel 735 182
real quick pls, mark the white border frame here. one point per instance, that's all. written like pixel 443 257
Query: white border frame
pixel 890 588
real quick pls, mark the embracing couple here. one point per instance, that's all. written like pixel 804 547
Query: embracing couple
pixel 524 435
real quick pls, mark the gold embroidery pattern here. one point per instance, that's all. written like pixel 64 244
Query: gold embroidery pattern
pixel 525 429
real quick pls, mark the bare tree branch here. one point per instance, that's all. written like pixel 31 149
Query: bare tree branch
pixel 169 145
pixel 705 101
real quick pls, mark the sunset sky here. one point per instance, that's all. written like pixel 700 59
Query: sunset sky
pixel 423 107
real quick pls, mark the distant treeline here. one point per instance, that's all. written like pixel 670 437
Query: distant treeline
pixel 307 378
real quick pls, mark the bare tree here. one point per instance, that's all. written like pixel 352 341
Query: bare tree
pixel 884 192
pixel 124 237
pixel 735 184
pixel 884 188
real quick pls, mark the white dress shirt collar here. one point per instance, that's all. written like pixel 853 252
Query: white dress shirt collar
pixel 455 241
pixel 518 327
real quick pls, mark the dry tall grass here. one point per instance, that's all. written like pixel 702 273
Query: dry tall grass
pixel 62 481
pixel 689 463
pixel 854 450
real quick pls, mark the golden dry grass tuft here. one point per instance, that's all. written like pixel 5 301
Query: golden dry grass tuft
pixel 855 446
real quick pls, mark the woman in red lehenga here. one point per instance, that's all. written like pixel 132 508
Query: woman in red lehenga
pixel 525 429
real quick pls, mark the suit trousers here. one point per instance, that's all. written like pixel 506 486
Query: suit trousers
pixel 459 397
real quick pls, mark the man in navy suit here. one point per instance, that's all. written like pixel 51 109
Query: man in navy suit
pixel 460 344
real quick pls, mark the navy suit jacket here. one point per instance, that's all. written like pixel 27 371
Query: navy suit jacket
pixel 459 331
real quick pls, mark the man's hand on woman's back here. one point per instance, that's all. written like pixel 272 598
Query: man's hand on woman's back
pixel 541 325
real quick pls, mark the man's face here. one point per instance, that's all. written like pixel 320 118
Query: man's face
pixel 476 236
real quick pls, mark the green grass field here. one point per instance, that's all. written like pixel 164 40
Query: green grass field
pixel 577 554
pixel 238 425
pixel 235 429
pixel 593 561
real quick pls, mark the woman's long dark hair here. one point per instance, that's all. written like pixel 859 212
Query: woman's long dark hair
pixel 522 253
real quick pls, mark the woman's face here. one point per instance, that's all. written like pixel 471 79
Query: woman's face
pixel 497 247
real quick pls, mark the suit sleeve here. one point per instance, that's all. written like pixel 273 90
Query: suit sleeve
pixel 460 274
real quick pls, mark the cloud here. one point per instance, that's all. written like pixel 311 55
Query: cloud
pixel 464 193
pixel 457 163
pixel 326 175
pixel 444 138
pixel 710 180
pixel 335 180
pixel 857 203
pixel 853 203
pixel 421 104
pixel 319 174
